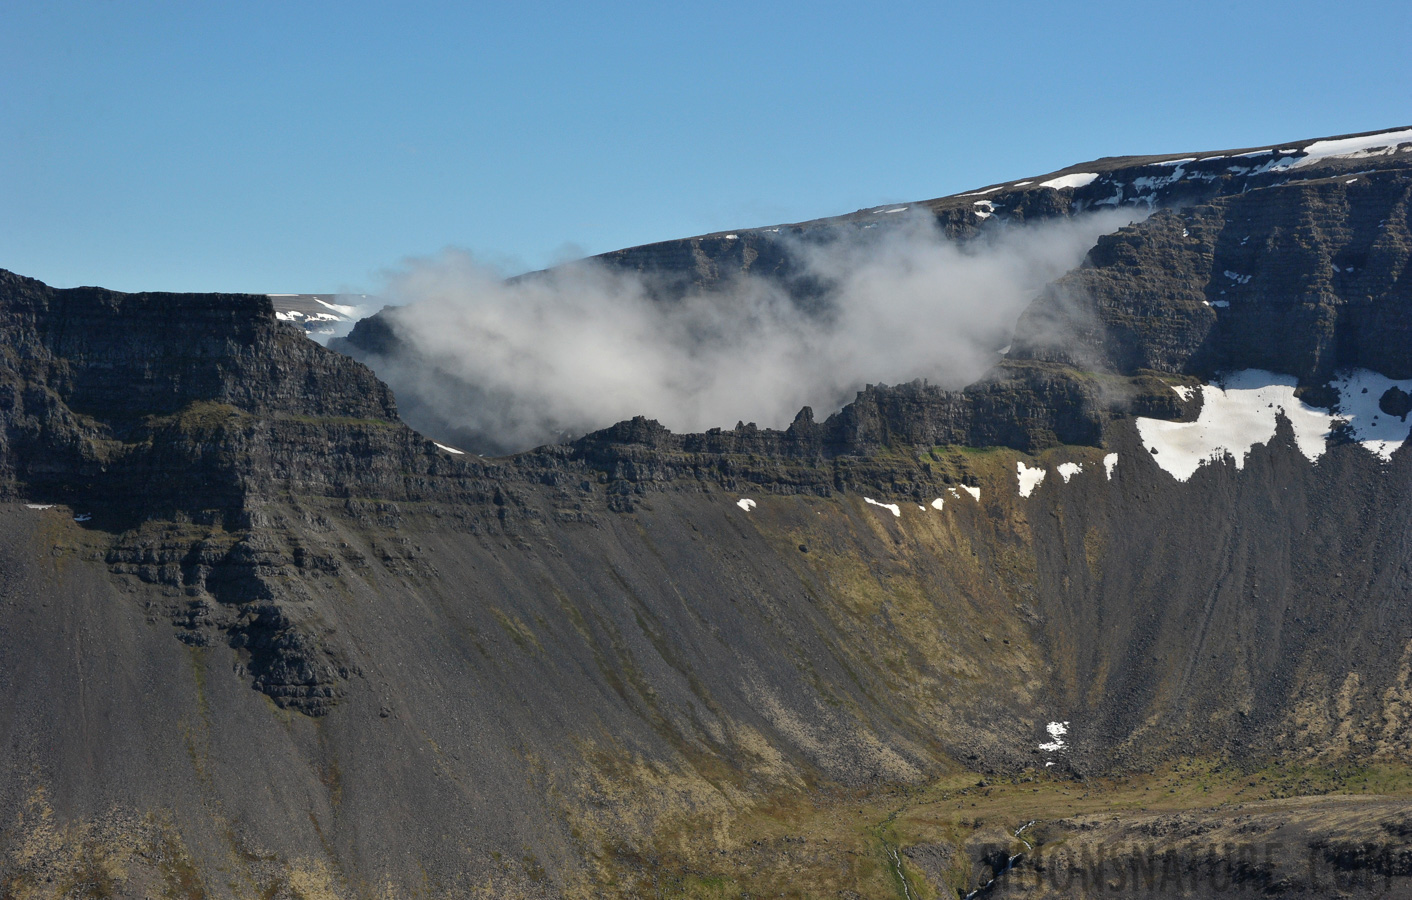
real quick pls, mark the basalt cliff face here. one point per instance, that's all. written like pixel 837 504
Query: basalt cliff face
pixel 260 639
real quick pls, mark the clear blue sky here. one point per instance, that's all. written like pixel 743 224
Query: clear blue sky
pixel 304 147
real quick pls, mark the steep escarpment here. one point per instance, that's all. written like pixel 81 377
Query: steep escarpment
pixel 171 420
pixel 134 402
pixel 1304 278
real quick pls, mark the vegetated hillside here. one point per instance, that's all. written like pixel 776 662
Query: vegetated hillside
pixel 261 639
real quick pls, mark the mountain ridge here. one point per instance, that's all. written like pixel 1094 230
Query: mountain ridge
pixel 263 639
pixel 704 265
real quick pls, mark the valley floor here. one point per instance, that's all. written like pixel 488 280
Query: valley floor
pixel 1194 829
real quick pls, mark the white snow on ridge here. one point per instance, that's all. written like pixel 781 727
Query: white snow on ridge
pixel 1076 180
pixel 890 507
pixel 745 503
pixel 450 449
pixel 346 311
pixel 984 192
pixel 975 492
pixel 983 209
pixel 1069 470
pixel 1276 165
pixel 1234 418
pixel 937 504
pixel 1152 182
pixel 1359 393
pixel 1029 478
pixel 39 506
pixel 1184 391
pixel 1384 144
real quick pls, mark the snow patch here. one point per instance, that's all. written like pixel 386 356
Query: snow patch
pixel 338 307
pixel 1113 200
pixel 1110 462
pixel 83 517
pixel 937 504
pixel 1218 304
pixel 1029 478
pixel 1153 182
pixel 745 503
pixel 1056 742
pixel 1359 393
pixel 890 507
pixel 1234 418
pixel 1184 391
pixel 1384 144
pixel 983 209
pixel 1276 165
pixel 1076 180
pixel 39 506
pixel 1236 276
pixel 1069 470
pixel 986 191
pixel 450 449
pixel 975 492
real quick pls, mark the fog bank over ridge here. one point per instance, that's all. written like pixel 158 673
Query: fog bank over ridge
pixel 498 366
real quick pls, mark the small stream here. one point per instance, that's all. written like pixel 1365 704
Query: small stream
pixel 901 876
pixel 1018 831
pixel 986 888
pixel 1009 864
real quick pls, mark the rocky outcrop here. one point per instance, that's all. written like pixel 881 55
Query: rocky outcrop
pixel 1029 407
pixel 196 411
pixel 142 405
pixel 1302 278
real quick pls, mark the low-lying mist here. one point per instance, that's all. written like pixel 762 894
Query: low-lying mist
pixel 496 366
